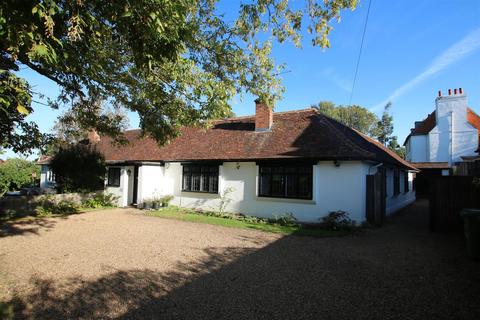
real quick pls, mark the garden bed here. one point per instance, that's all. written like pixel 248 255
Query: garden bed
pixel 283 225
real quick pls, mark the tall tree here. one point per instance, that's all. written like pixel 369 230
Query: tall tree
pixel 17 173
pixel 385 125
pixel 366 122
pixel 354 116
pixel 174 62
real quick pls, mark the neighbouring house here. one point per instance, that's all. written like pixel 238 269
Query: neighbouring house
pixel 47 178
pixel 446 137
pixel 299 162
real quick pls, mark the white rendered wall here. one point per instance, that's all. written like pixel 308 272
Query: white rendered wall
pixel 397 202
pixel 418 149
pixel 334 188
pixel 452 137
pixel 150 182
pixel 125 191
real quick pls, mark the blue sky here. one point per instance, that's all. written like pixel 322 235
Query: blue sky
pixel 412 49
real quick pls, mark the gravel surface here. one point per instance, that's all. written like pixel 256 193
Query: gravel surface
pixel 122 264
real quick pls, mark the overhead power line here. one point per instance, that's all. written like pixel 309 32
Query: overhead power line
pixel 360 53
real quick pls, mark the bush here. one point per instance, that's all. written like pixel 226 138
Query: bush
pixel 78 168
pixel 287 220
pixel 166 200
pixel 101 200
pixel 337 220
pixel 49 207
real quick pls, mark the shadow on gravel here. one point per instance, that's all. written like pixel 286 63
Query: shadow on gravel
pixel 385 273
pixel 22 227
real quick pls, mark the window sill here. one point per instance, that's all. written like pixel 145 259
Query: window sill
pixel 289 200
pixel 196 194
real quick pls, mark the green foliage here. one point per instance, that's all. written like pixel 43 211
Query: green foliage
pixel 6 311
pixel 17 173
pixel 354 116
pixel 285 220
pixel 15 105
pixel 101 200
pixel 165 200
pixel 78 168
pixel 174 62
pixel 47 206
pixel 365 121
pixel 385 125
pixel 337 220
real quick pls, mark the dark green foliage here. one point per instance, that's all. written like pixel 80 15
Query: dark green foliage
pixel 354 116
pixel 337 220
pixel 365 121
pixel 101 200
pixel 78 168
pixel 174 62
pixel 17 173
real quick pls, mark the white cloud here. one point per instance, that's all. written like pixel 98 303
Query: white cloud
pixel 455 52
pixel 337 79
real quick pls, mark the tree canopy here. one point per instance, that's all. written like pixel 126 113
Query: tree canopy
pixel 365 121
pixel 16 173
pixel 174 62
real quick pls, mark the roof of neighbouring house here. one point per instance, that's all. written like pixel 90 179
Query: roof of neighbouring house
pixel 427 124
pixel 431 165
pixel 43 160
pixel 300 134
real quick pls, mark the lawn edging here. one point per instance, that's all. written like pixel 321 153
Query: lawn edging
pixel 245 222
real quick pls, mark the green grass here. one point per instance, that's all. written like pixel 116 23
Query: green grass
pixel 192 216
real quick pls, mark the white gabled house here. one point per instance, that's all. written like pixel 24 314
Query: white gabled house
pixel 299 162
pixel 446 137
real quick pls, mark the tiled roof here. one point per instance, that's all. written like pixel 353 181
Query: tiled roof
pixel 302 134
pixel 431 165
pixel 427 124
pixel 43 160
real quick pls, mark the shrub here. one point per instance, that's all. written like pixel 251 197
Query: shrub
pixel 49 207
pixel 287 220
pixel 337 220
pixel 166 200
pixel 78 168
pixel 101 200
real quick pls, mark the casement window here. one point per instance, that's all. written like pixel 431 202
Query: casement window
pixel 50 176
pixel 200 178
pixel 113 177
pixel 285 181
pixel 406 187
pixel 396 182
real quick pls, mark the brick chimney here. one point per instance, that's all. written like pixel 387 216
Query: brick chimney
pixel 263 116
pixel 93 136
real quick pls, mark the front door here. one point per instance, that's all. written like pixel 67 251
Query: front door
pixel 135 185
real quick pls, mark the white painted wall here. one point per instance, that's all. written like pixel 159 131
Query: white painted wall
pixel 44 174
pixel 150 182
pixel 397 202
pixel 418 149
pixel 451 138
pixel 334 188
pixel 125 191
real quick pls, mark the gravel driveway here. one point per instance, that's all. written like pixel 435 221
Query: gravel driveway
pixel 121 264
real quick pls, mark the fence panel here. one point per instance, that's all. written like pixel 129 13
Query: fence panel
pixel 448 195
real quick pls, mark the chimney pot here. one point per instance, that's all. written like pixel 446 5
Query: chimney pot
pixel 449 92
pixel 460 90
pixel 263 116
pixel 439 93
pixel 455 91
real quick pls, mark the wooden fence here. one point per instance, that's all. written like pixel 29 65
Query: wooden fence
pixel 448 195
